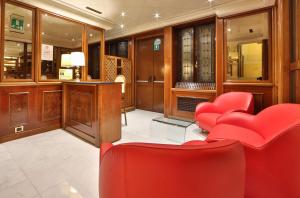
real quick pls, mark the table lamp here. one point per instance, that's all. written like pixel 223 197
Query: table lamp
pixel 66 60
pixel 77 60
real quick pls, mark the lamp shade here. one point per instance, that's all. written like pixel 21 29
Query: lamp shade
pixel 66 60
pixel 77 59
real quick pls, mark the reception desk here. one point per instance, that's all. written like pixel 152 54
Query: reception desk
pixel 92 110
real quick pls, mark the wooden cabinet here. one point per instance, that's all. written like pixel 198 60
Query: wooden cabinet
pixel 92 111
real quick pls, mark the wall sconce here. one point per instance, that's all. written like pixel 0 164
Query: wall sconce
pixel 77 60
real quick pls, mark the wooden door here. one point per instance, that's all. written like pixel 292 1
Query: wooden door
pixel 144 72
pixel 149 75
pixel 158 79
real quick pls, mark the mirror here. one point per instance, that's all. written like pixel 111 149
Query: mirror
pixel 248 40
pixel 59 36
pixel 94 37
pixel 17 43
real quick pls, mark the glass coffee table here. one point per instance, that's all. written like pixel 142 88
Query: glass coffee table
pixel 179 124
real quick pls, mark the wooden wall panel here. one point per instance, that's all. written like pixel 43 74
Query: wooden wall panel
pixel 208 95
pixel 81 105
pixel 51 105
pixel 92 111
pixel 30 107
pixel 18 108
pixel 263 95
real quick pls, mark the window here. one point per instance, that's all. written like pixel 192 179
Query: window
pixel 196 57
pixel 248 43
pixel 117 48
pixel 58 36
pixel 18 39
pixel 94 38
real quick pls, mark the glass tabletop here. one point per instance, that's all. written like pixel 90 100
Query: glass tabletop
pixel 176 122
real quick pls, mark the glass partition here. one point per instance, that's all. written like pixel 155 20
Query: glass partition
pixel 248 43
pixel 94 37
pixel 17 43
pixel 58 36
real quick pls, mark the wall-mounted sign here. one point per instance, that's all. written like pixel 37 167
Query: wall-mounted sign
pixel 66 74
pixel 16 23
pixel 47 52
pixel 156 44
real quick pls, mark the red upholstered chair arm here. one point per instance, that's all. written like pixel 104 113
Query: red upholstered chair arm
pixel 238 119
pixel 104 148
pixel 205 107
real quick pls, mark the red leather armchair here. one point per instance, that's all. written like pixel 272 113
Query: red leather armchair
pixel 272 144
pixel 214 170
pixel 207 113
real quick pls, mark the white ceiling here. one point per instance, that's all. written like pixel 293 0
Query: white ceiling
pixel 139 13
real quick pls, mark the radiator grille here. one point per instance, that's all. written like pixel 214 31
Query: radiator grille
pixel 189 104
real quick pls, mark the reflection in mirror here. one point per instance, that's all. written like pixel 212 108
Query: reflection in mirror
pixel 247 47
pixel 94 50
pixel 17 43
pixel 58 37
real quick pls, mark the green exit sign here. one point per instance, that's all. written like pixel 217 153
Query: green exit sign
pixel 17 23
pixel 156 44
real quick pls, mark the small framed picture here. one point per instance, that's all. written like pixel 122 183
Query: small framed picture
pixel 66 74
pixel 16 23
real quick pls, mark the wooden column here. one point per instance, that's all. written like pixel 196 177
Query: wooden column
pixel 219 55
pixel 168 76
pixel 282 66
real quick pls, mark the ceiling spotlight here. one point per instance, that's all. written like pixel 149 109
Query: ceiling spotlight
pixel 43 33
pixel 228 29
pixel 91 35
pixel 123 14
pixel 156 15
pixel 210 1
pixel 28 25
pixel 73 39
pixel 122 26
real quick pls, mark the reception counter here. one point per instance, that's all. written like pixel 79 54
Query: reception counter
pixel 92 111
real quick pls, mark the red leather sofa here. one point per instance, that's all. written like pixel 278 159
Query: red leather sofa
pixel 214 170
pixel 206 113
pixel 272 148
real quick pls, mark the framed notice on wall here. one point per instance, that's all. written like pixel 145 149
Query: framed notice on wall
pixel 16 23
pixel 47 52
pixel 65 74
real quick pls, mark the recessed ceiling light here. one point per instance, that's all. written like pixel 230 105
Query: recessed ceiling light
pixel 73 39
pixel 210 1
pixel 43 33
pixel 122 26
pixel 28 25
pixel 91 35
pixel 73 190
pixel 228 29
pixel 46 15
pixel 156 15
pixel 123 14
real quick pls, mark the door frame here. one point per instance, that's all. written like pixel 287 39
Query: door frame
pixel 137 38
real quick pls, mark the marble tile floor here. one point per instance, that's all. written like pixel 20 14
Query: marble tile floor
pixel 57 164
